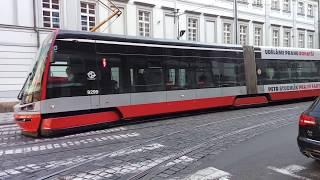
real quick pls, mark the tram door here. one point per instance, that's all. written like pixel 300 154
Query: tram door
pixel 113 85
pixel 146 82
pixel 179 82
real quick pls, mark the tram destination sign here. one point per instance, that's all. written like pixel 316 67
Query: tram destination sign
pixel 289 53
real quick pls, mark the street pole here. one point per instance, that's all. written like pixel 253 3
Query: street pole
pixel 176 22
pixel 235 8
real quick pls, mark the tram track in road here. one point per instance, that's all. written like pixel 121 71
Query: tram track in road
pixel 170 159
pixel 14 139
pixel 168 135
pixel 107 148
pixel 106 132
pixel 160 168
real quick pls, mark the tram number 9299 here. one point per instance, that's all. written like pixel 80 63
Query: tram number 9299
pixel 92 92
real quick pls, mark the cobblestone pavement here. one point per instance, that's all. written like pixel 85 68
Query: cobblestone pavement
pixel 166 149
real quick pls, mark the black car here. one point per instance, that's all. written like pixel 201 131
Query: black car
pixel 309 131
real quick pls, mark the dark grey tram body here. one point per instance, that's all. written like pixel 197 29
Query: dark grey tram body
pixel 106 78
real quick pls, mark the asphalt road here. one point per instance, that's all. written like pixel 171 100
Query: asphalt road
pixel 253 143
pixel 265 157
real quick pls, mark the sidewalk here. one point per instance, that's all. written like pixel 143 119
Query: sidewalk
pixel 6 118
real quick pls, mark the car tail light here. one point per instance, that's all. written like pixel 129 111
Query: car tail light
pixel 306 120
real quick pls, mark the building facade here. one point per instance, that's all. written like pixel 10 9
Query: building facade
pixel 25 23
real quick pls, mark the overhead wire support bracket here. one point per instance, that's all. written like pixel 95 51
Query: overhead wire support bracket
pixel 115 12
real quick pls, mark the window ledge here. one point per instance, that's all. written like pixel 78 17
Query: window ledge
pixel 286 11
pixel 275 9
pixel 258 5
pixel 243 2
pixel 310 16
pixel 301 14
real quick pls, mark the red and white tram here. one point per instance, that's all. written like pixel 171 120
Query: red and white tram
pixel 85 79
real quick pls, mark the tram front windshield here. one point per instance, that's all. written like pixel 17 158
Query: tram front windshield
pixel 31 91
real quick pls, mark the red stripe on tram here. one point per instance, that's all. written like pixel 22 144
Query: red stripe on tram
pixel 79 120
pixel 294 94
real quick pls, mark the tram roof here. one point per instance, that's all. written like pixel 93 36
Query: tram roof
pixel 68 34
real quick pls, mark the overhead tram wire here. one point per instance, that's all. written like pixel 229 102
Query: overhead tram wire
pixel 191 10
pixel 108 8
pixel 115 12
pixel 104 5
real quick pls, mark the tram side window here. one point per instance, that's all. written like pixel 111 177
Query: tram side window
pixel 110 69
pixel 146 73
pixel 283 73
pixel 232 72
pixel 215 72
pixel 288 71
pixel 269 72
pixel 204 74
pixel 72 72
pixel 296 71
pixel 179 73
pixel 315 72
pixel 307 71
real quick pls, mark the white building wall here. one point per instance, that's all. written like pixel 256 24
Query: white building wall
pixel 131 19
pixel 19 40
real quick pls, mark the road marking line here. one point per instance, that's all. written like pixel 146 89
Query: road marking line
pixel 61 145
pixel 112 130
pixel 182 159
pixel 129 168
pixel 209 173
pixel 123 169
pixel 290 170
pixel 142 149
pixel 71 161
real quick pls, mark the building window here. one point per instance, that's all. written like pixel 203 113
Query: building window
pixel 286 5
pixel 193 29
pixel 51 13
pixel 88 16
pixel 144 23
pixel 257 2
pixel 310 10
pixel 301 39
pixel 275 4
pixel 300 8
pixel 258 36
pixel 310 40
pixel 227 33
pixel 243 34
pixel 287 38
pixel 275 37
